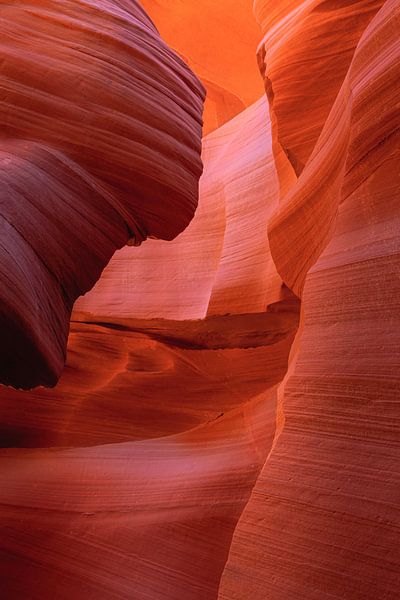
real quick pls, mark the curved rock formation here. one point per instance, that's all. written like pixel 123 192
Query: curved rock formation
pixel 322 521
pixel 226 244
pixel 101 127
pixel 151 378
pixel 208 385
pixel 151 519
pixel 214 338
pixel 201 443
pixel 339 163
pixel 304 57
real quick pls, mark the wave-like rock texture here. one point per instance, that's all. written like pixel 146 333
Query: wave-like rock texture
pixel 151 519
pixel 221 263
pixel 323 519
pixel 151 378
pixel 168 396
pixel 218 40
pixel 304 57
pixel 202 443
pixel 192 394
pixel 100 144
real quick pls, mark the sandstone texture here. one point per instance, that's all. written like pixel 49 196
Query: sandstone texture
pixel 100 145
pixel 227 423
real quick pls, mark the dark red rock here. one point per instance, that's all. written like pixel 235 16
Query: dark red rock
pixel 101 127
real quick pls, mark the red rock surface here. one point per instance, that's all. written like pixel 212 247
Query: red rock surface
pixel 226 244
pixel 151 378
pixel 150 519
pixel 100 138
pixel 304 57
pixel 323 519
pixel 200 443
pixel 191 392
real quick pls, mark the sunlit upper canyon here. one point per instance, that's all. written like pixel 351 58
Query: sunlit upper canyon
pixel 200 300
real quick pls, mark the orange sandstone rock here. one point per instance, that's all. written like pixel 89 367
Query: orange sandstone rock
pixel 130 379
pixel 219 41
pixel 221 263
pixel 322 521
pixel 304 57
pixel 194 448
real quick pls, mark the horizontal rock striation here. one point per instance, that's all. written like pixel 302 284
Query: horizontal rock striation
pixel 151 378
pixel 221 263
pixel 150 519
pixel 159 426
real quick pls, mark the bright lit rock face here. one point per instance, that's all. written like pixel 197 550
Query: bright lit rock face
pixel 227 424
pixel 100 144
pixel 218 40
pixel 237 161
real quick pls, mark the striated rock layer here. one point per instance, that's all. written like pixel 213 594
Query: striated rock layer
pixel 323 518
pixel 304 57
pixel 128 379
pixel 192 396
pixel 100 139
pixel 221 263
pixel 151 519
pixel 201 444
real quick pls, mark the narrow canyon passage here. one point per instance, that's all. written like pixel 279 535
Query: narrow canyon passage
pixel 226 425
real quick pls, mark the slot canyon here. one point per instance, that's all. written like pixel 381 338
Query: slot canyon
pixel 200 300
